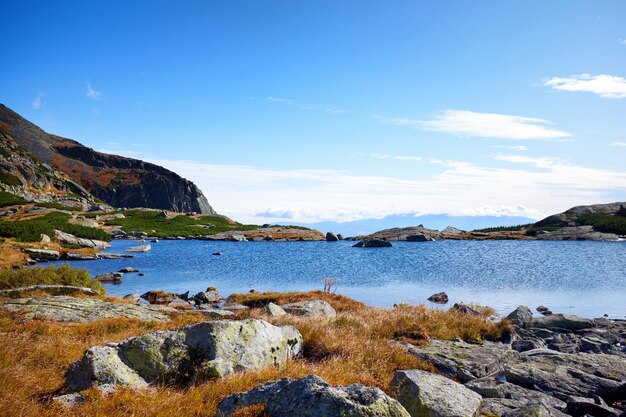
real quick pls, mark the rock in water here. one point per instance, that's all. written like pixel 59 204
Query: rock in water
pixel 128 270
pixel 141 248
pixel 114 277
pixel 43 254
pixel 311 308
pixel 331 237
pixel 372 243
pixel 204 350
pixel 439 298
pixel 427 394
pixel 520 316
pixel 212 297
pixel 311 396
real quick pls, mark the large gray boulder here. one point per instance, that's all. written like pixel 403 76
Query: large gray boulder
pixel 73 240
pixel 372 243
pixel 43 255
pixel 424 394
pixel 81 310
pixel 520 316
pixel 310 308
pixel 490 387
pixel 311 396
pixel 562 321
pixel 204 350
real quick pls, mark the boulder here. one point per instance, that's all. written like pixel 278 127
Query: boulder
pixel 128 270
pixel 43 255
pixel 204 350
pixel 135 298
pixel 423 393
pixel 311 396
pixel 274 310
pixel 212 297
pixel 79 241
pixel 439 298
pixel 310 308
pixel 597 407
pixel 140 248
pixel 214 313
pixel 79 256
pixel 159 297
pixel 465 309
pixel 520 316
pixel 372 243
pixel 452 231
pixel 235 307
pixel 561 321
pixel 43 238
pixel 82 310
pixel 331 237
pixel 114 277
pixel 490 387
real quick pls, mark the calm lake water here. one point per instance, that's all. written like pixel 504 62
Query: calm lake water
pixel 584 278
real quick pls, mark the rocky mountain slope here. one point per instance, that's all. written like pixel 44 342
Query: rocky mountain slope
pixel 119 181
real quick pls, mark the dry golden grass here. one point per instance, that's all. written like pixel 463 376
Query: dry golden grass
pixel 350 348
pixel 254 300
pixel 10 256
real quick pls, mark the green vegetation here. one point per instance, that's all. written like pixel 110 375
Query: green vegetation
pixel 9 179
pixel 31 230
pixel 515 228
pixel 534 230
pixel 59 206
pixel 9 199
pixel 604 222
pixel 5 152
pixel 147 221
pixel 59 275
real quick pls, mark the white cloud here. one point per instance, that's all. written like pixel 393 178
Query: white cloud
pixel 520 148
pixel 607 86
pixel 279 100
pixel 39 101
pixel 396 157
pixel 485 125
pixel 91 93
pixel 541 186
pixel 618 144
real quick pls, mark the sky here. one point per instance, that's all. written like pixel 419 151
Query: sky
pixel 338 110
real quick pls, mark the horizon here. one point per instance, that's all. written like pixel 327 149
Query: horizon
pixel 327 112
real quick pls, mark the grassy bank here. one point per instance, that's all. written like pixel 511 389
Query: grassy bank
pixel 350 348
pixel 61 275
pixel 10 199
pixel 154 224
pixel 30 230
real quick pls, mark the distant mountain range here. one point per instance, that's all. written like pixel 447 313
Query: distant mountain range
pixel 431 221
pixel 119 181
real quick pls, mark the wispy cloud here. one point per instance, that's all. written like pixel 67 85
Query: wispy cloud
pixel 520 148
pixel 91 93
pixel 279 100
pixel 622 41
pixel 607 86
pixel 39 101
pixel 486 125
pixel 618 144
pixel 396 157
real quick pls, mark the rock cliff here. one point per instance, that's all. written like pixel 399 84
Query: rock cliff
pixel 119 181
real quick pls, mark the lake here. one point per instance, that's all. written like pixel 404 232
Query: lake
pixel 571 277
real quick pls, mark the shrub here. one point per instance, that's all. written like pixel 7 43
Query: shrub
pixel 604 222
pixel 61 275
pixel 59 206
pixel 515 228
pixel 9 199
pixel 31 230
pixel 9 179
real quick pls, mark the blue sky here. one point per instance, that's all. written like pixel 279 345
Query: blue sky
pixel 338 110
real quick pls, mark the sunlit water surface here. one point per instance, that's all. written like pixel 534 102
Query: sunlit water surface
pixel 584 278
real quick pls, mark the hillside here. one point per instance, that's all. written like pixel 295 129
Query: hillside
pixel 119 181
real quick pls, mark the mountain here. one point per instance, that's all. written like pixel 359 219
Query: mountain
pixel 119 181
pixel 432 221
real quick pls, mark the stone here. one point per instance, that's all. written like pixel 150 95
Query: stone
pixel 465 309
pixel 69 400
pixel 128 269
pixel 331 237
pixel 520 316
pixel 490 387
pixel 274 310
pixel 140 248
pixel 43 238
pixel 180 304
pixel 544 310
pixel 234 307
pixel 419 237
pixel 439 298
pixel 527 344
pixel 79 241
pixel 310 308
pixel 114 277
pixel 50 289
pixel 535 409
pixel 423 393
pixel 79 256
pixel 212 297
pixel 597 407
pixel 372 243
pixel 311 396
pixel 159 297
pixel 43 255
pixel 452 231
pixel 214 313
pixel 82 310
pixel 210 349
pixel 135 298
pixel 562 321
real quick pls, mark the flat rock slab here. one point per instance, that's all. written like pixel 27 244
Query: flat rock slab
pixel 51 289
pixel 82 310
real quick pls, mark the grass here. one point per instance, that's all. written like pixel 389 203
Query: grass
pixel 9 179
pixel 10 199
pixel 181 225
pixel 604 222
pixel 59 206
pixel 30 230
pixel 350 348
pixel 515 228
pixel 61 275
